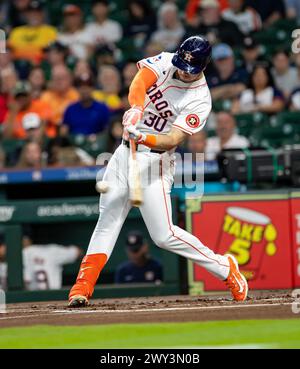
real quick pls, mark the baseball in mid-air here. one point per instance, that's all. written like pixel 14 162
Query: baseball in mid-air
pixel 102 187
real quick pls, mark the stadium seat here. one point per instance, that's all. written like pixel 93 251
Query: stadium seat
pixel 247 123
pixel 282 129
pixel 94 147
pixel 221 105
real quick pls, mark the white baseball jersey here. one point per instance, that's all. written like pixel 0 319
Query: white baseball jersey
pixel 171 102
pixel 43 265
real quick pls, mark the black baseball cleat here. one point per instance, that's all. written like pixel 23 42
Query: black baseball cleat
pixel 78 302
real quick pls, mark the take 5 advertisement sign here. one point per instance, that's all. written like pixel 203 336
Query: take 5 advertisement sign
pixel 256 229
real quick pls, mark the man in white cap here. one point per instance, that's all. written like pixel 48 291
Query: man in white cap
pixel 34 128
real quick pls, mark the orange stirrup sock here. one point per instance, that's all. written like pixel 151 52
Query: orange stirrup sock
pixel 90 269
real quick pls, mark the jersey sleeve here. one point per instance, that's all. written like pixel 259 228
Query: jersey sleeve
pixel 157 63
pixel 193 117
pixel 64 255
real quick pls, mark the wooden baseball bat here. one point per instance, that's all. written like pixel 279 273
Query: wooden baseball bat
pixel 135 187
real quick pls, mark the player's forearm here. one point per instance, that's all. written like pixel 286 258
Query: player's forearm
pixel 159 142
pixel 164 142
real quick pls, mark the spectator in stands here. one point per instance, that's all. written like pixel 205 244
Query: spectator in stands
pixel 31 156
pixel 6 62
pixel 115 133
pixel 37 81
pixel 191 10
pixel 28 41
pixel 196 145
pixel 141 23
pixel 82 67
pixel 251 54
pixel 103 30
pixel 197 142
pixel 56 54
pixel 4 98
pixel 292 9
pixel 170 29
pixel 247 19
pixel 226 137
pixel 261 94
pixel 22 105
pixel 109 80
pixel 294 101
pixel 104 55
pixel 9 79
pixel 124 98
pixel 140 268
pixel 285 76
pixel 128 73
pixel 4 15
pixel 212 25
pixel 153 48
pixel 228 81
pixel 87 116
pixel 60 95
pixel 2 158
pixel 17 12
pixel 74 34
pixel 35 130
pixel 269 10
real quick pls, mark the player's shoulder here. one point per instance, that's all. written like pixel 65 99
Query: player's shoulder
pixel 158 63
pixel 164 57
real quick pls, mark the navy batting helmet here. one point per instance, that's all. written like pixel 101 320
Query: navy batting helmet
pixel 193 55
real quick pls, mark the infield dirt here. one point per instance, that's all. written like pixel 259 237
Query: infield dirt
pixel 261 305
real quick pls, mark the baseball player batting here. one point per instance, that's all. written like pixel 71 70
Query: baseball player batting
pixel 170 100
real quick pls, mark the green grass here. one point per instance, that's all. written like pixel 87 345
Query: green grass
pixel 262 333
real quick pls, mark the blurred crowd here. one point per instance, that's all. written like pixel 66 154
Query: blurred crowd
pixel 64 85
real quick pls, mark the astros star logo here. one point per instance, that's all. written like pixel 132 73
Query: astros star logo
pixel 188 57
pixel 193 120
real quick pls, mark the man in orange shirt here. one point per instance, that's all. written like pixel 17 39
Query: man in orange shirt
pixel 60 95
pixel 22 105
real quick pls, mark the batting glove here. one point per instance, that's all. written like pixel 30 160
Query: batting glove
pixel 134 133
pixel 132 116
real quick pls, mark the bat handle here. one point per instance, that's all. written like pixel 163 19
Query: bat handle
pixel 136 196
